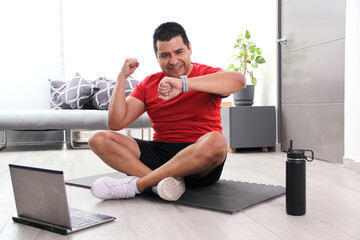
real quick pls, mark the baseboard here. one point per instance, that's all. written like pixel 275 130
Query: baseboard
pixel 278 147
pixel 352 164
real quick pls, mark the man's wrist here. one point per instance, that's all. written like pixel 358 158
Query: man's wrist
pixel 185 85
pixel 124 74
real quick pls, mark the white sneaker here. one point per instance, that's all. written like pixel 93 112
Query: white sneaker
pixel 114 188
pixel 170 188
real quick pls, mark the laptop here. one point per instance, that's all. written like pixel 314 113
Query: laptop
pixel 41 201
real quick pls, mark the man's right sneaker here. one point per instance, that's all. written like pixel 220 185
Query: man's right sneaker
pixel 170 188
pixel 114 188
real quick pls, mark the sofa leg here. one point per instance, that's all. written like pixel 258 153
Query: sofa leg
pixel 149 134
pixel 77 144
pixel 4 141
pixel 128 132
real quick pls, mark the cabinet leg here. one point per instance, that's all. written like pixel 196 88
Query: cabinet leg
pixel 265 149
pixel 231 150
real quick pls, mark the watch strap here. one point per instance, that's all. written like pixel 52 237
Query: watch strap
pixel 185 86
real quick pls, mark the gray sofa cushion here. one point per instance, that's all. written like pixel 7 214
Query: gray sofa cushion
pixel 130 85
pixel 84 94
pixel 101 98
pixel 46 119
pixel 56 87
pixel 77 92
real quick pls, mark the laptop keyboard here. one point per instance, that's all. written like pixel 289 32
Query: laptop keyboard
pixel 80 222
pixel 81 219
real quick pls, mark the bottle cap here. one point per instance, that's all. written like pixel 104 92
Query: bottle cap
pixel 296 154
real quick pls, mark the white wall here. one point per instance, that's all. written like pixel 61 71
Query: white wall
pixel 99 34
pixel 352 82
pixel 29 52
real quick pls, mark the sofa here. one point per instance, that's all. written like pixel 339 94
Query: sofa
pixel 46 119
pixel 77 104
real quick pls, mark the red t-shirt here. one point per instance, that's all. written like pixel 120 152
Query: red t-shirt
pixel 184 118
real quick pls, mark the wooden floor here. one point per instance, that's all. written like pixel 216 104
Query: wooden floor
pixel 333 202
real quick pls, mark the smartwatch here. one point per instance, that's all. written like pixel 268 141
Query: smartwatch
pixel 185 86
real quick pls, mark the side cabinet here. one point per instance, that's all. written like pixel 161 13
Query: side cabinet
pixel 249 127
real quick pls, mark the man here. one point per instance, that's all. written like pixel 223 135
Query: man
pixel 183 103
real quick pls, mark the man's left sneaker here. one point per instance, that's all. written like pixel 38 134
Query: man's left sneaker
pixel 114 188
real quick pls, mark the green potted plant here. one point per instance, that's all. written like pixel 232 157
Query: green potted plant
pixel 246 60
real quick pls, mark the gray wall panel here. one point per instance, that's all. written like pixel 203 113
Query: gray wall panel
pixel 307 24
pixel 318 127
pixel 314 75
pixel 285 1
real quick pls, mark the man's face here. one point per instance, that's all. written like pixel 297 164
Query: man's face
pixel 174 57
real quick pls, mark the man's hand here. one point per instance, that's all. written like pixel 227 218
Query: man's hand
pixel 169 87
pixel 129 67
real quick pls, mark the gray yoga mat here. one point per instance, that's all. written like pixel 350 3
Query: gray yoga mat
pixel 225 196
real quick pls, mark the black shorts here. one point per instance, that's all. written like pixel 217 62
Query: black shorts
pixel 155 154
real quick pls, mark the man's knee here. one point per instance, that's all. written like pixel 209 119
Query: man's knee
pixel 213 145
pixel 97 139
pixel 105 142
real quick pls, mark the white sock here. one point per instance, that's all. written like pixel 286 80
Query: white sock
pixel 134 185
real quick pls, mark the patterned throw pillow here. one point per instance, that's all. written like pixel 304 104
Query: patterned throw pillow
pixel 56 87
pixel 83 94
pixel 78 92
pixel 106 87
pixel 130 85
pixel 102 98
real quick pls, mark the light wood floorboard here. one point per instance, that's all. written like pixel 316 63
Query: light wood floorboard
pixel 333 202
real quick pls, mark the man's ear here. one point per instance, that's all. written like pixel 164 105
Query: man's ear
pixel 157 58
pixel 190 49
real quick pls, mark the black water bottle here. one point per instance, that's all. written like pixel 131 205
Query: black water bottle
pixel 296 180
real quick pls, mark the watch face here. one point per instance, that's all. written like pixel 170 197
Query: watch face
pixel 183 77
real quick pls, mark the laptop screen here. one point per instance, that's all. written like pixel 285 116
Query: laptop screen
pixel 40 194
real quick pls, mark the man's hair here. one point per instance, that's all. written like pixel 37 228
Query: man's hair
pixel 167 31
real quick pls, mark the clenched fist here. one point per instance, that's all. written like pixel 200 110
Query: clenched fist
pixel 129 67
pixel 169 87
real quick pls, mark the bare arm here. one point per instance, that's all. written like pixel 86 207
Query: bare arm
pixel 222 83
pixel 123 111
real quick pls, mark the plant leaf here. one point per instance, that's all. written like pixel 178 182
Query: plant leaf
pixel 230 67
pixel 241 53
pixel 252 57
pixel 258 51
pixel 254 65
pixel 254 81
pixel 259 59
pixel 252 49
pixel 247 35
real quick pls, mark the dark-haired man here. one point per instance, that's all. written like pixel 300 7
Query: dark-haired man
pixel 183 103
